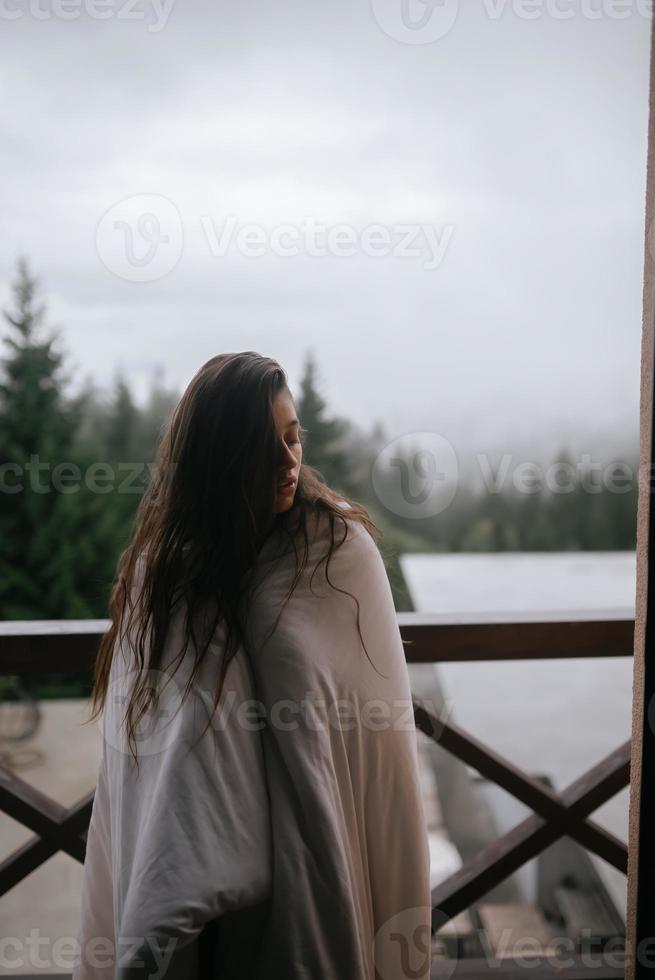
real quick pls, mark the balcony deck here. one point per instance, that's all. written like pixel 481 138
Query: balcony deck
pixel 59 825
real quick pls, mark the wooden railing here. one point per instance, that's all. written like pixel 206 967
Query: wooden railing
pixel 70 646
pixel 555 815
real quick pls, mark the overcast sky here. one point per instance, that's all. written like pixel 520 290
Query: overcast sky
pixel 507 152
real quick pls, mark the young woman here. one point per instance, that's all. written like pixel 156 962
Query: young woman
pixel 258 809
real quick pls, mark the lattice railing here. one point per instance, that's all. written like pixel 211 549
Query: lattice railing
pixel 70 646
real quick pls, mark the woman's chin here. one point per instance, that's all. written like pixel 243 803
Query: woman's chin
pixel 283 502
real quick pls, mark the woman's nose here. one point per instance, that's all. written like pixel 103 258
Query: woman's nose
pixel 286 455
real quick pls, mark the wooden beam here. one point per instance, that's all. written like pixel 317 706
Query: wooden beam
pixel 563 966
pixel 640 920
pixel 445 639
pixel 65 646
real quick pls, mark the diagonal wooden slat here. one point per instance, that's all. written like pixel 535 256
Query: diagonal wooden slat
pixel 58 828
pixel 601 782
pixel 76 820
pixel 38 812
pixel 36 851
pixel 534 794
pixel 24 861
pixel 506 854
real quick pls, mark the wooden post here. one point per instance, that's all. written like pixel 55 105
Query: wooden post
pixel 640 925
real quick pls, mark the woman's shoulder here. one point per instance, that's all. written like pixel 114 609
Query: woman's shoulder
pixel 322 530
pixel 351 536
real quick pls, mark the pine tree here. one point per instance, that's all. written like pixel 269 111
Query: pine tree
pixel 37 424
pixel 122 423
pixel 154 415
pixel 324 448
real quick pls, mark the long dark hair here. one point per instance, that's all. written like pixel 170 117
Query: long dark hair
pixel 202 521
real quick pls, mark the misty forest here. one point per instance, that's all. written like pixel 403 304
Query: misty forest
pixel 59 546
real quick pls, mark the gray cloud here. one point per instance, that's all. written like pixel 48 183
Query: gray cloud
pixel 528 137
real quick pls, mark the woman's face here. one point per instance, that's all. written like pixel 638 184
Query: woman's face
pixel 287 428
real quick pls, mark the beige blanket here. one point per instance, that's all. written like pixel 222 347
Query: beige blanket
pixel 297 817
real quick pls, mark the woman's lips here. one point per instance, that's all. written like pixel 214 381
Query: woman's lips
pixel 286 487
